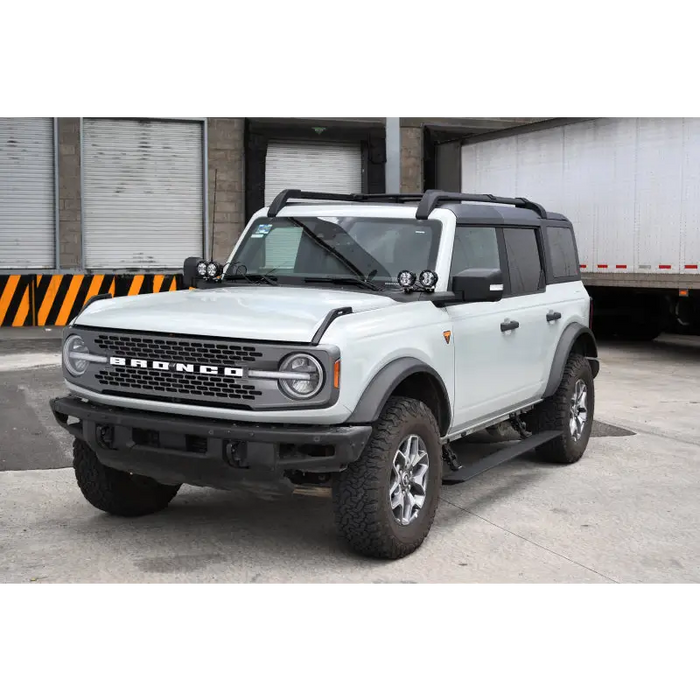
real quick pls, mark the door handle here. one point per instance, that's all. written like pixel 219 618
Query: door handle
pixel 553 316
pixel 509 325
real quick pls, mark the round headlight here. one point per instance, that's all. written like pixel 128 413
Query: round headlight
pixel 310 374
pixel 72 349
pixel 202 269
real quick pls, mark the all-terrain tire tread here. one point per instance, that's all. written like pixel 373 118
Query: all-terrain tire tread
pixel 115 492
pixel 357 490
pixel 553 414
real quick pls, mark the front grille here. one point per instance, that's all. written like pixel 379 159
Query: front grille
pixel 177 350
pixel 148 380
pixel 178 386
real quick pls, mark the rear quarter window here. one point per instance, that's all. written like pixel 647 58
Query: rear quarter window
pixel 561 252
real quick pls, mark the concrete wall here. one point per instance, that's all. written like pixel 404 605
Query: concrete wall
pixel 411 158
pixel 69 192
pixel 226 183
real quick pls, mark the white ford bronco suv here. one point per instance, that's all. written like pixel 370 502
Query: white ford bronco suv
pixel 347 341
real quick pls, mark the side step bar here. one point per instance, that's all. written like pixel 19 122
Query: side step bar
pixel 501 457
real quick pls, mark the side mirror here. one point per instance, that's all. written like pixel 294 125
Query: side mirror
pixel 478 285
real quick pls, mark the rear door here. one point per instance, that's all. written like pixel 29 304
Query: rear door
pixel 567 298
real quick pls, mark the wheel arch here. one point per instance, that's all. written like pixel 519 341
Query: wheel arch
pixel 575 338
pixel 410 378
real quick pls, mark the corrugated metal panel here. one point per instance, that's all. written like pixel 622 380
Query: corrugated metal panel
pixel 324 167
pixel 143 193
pixel 659 190
pixel 27 194
pixel 315 167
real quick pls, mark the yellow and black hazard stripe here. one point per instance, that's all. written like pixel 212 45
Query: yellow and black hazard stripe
pixel 53 300
pixel 15 300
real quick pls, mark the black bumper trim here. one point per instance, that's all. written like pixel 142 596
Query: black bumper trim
pixel 225 451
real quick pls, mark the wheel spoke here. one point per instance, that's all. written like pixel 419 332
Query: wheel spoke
pixel 420 457
pixel 420 476
pixel 407 508
pixel 412 450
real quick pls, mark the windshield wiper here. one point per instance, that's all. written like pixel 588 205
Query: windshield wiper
pixel 334 253
pixel 255 277
pixel 357 281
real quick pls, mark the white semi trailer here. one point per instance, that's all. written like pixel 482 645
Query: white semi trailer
pixel 631 187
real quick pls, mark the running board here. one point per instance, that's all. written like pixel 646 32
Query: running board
pixel 501 457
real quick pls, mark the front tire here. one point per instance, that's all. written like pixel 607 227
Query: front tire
pixel 570 411
pixel 386 501
pixel 117 492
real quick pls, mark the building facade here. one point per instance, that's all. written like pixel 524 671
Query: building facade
pixel 98 205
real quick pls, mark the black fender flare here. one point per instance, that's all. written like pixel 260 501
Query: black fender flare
pixel 383 384
pixel 572 334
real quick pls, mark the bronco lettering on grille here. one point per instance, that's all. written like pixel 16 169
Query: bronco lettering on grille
pixel 188 368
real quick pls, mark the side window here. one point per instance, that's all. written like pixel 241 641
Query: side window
pixel 561 251
pixel 474 248
pixel 524 263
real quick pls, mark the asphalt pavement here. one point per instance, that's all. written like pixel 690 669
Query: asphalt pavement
pixel 627 512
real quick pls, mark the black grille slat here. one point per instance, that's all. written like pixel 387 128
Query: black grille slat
pixel 177 383
pixel 175 350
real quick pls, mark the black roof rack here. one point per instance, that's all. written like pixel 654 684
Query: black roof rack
pixel 433 198
pixel 427 201
pixel 285 195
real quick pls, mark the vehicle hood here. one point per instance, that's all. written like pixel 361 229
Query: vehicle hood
pixel 263 313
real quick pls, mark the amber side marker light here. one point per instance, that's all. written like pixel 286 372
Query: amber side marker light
pixel 336 374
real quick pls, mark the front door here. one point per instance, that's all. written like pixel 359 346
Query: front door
pixel 498 345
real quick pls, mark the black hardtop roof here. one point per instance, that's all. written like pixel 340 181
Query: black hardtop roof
pixel 468 208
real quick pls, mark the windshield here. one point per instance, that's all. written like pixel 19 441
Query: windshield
pixel 342 249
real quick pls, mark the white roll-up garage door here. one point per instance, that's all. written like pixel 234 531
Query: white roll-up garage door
pixel 27 194
pixel 143 193
pixel 306 165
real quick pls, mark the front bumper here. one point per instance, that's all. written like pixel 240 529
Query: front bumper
pixel 206 452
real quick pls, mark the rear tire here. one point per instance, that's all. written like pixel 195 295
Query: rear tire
pixel 117 492
pixel 559 413
pixel 372 494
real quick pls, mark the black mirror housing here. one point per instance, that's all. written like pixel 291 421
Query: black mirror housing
pixel 189 272
pixel 476 285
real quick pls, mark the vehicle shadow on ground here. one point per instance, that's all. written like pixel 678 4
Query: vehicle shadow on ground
pixel 271 524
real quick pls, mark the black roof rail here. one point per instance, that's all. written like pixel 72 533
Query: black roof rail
pixel 428 201
pixel 285 195
pixel 432 198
